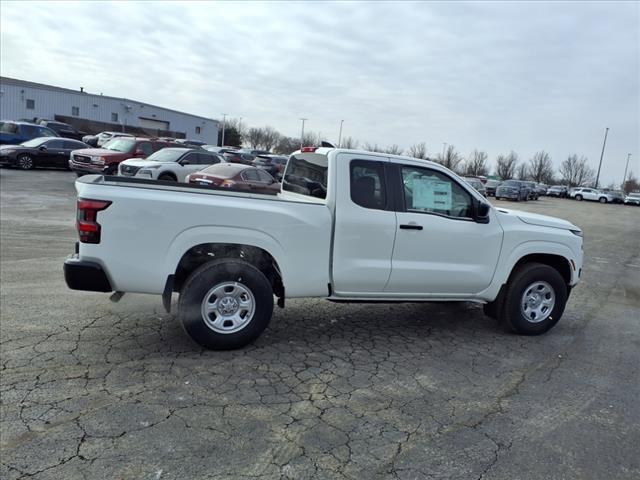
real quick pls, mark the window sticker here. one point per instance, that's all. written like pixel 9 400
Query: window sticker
pixel 431 194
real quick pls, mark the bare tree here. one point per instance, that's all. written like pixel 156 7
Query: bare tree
pixel 349 142
pixel 270 137
pixel 476 165
pixel 372 147
pixel 541 168
pixel 506 165
pixel 452 159
pixel 575 172
pixel 287 145
pixel 522 172
pixel 631 185
pixel 254 137
pixel 419 150
pixel 393 150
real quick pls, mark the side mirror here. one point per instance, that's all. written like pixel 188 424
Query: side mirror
pixel 42 148
pixel 185 162
pixel 482 212
pixel 139 153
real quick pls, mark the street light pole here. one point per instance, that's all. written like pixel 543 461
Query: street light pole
pixel 444 149
pixel 601 155
pixel 240 130
pixel 224 121
pixel 302 134
pixel 624 179
pixel 340 134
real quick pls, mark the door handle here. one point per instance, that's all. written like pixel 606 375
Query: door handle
pixel 411 226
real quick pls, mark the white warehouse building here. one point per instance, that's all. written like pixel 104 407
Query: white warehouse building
pixel 92 113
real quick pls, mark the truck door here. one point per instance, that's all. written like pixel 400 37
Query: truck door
pixel 439 247
pixel 365 225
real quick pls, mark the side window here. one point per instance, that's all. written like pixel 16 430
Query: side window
pixel 69 145
pixel 146 148
pixel 45 132
pixel 31 104
pixel 250 175
pixel 6 127
pixel 192 158
pixel 367 184
pixel 55 144
pixel 264 176
pixel 32 132
pixel 429 191
pixel 207 159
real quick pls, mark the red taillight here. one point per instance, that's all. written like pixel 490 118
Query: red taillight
pixel 309 149
pixel 88 226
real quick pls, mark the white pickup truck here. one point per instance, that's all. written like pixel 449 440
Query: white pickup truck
pixel 348 226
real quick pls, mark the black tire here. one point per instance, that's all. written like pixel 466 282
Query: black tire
pixel 579 198
pixel 25 162
pixel 603 200
pixel 167 177
pixel 511 316
pixel 202 281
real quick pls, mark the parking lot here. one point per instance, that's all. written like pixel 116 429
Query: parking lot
pixel 94 389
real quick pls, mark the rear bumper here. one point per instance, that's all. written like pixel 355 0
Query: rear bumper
pixel 87 276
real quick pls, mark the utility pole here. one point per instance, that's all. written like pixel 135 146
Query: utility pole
pixel 302 134
pixel 240 130
pixel 444 149
pixel 340 134
pixel 624 179
pixel 224 121
pixel 601 155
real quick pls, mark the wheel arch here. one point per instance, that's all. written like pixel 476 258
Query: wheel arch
pixel 558 262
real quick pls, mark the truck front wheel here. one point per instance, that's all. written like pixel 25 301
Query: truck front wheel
pixel 535 299
pixel 225 304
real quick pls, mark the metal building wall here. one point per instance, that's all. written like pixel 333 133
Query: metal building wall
pixel 53 101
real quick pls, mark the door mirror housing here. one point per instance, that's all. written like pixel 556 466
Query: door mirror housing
pixel 42 148
pixel 139 153
pixel 185 162
pixel 482 210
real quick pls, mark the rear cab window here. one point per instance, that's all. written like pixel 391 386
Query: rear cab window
pixel 306 174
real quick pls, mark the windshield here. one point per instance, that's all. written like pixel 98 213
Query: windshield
pixel 35 142
pixel 119 145
pixel 511 183
pixel 168 155
pixel 306 174
pixel 634 195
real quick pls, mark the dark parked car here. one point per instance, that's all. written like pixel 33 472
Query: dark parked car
pixel 533 192
pixel 14 133
pixel 491 186
pixel 513 189
pixel 233 176
pixel 274 164
pixel 40 152
pixel 237 156
pixel 63 129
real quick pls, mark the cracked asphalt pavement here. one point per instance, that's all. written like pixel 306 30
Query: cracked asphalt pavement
pixel 92 389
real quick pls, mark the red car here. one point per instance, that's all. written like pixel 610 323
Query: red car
pixel 105 160
pixel 236 176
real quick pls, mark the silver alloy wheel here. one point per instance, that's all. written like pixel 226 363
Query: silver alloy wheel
pixel 538 301
pixel 228 307
pixel 25 162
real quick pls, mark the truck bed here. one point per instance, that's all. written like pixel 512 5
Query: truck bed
pixel 150 225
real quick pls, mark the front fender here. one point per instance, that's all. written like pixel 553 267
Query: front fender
pixel 506 265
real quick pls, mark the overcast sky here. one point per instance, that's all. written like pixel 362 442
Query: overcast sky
pixel 493 76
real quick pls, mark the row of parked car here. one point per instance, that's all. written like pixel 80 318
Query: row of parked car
pixel 521 190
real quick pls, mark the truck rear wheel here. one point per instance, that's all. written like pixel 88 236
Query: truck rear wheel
pixel 225 304
pixel 534 300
